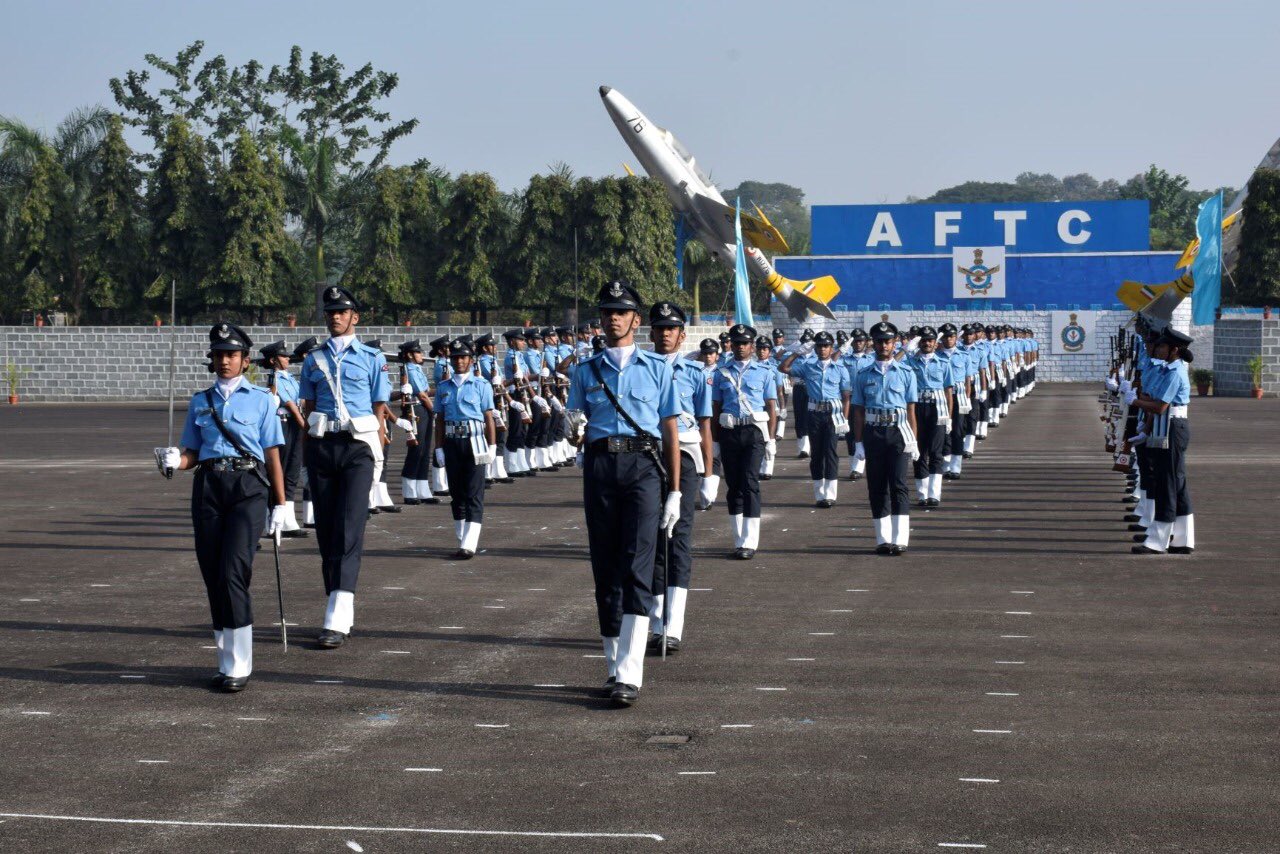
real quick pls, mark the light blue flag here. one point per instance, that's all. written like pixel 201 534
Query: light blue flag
pixel 741 282
pixel 1206 267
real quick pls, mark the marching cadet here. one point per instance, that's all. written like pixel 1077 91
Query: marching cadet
pixel 415 397
pixel 379 495
pixel 708 356
pixel 629 400
pixel 465 443
pixel 857 358
pixel 276 357
pixel 724 346
pixel 800 404
pixel 308 511
pixel 884 423
pixel 232 437
pixel 1166 394
pixel 935 383
pixel 520 409
pixel 438 479
pixel 539 409
pixel 487 363
pixel 345 387
pixel 764 355
pixel 744 410
pixel 779 339
pixel 828 389
pixel 962 372
pixel 667 332
pixel 974 375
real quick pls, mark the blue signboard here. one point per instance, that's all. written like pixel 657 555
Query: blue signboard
pixel 1022 227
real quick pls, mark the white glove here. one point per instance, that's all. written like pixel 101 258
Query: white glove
pixel 439 455
pixel 275 400
pixel 1138 439
pixel 276 525
pixel 1112 385
pixel 1125 386
pixel 771 447
pixel 707 491
pixel 915 454
pixel 782 414
pixel 670 513
pixel 859 452
pixel 517 406
pixel 577 459
pixel 168 460
pixel 545 372
pixel 406 425
pixel 406 390
pixel 1129 397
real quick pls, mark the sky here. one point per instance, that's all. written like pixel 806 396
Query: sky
pixel 855 102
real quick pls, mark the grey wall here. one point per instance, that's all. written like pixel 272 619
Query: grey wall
pixel 1235 341
pixel 84 363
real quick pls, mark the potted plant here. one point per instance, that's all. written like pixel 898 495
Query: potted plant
pixel 1254 366
pixel 1202 377
pixel 12 376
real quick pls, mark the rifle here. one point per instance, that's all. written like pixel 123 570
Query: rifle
pixel 407 409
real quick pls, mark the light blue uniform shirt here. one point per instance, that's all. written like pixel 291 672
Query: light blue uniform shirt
pixel 487 364
pixel 970 355
pixel 893 389
pixel 286 388
pixel 931 374
pixel 513 366
pixel 758 383
pixel 248 414
pixel 692 392
pixel 441 370
pixel 464 397
pixel 1173 383
pixel 533 361
pixel 417 378
pixel 825 382
pixel 359 370
pixel 645 388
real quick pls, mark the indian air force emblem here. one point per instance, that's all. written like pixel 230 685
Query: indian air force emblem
pixel 1073 335
pixel 978 272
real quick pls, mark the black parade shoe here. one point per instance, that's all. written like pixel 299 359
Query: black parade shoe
pixel 1145 550
pixel 1136 528
pixel 410 502
pixel 463 554
pixel 431 500
pixel 1173 550
pixel 608 685
pixel 391 508
pixel 744 554
pixel 624 695
pixel 803 455
pixel 898 551
pixel 234 684
pixel 295 534
pixel 1132 517
pixel 885 549
pixel 215 682
pixel 506 480
pixel 967 455
pixel 329 639
pixel 853 475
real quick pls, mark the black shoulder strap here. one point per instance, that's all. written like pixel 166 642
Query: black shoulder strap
pixel 230 437
pixel 626 416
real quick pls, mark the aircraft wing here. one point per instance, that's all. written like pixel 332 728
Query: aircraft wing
pixel 756 230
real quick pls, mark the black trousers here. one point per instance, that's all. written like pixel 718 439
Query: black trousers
pixel 976 415
pixel 340 472
pixel 741 451
pixel 681 546
pixel 995 396
pixel 1146 471
pixel 517 431
pixel 800 409
pixel 417 458
pixel 466 480
pixel 887 465
pixel 621 494
pixel 931 440
pixel 227 509
pixel 955 438
pixel 537 436
pixel 824 462
pixel 291 457
pixel 1169 473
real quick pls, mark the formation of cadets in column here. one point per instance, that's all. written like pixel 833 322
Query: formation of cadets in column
pixel 655 432
pixel 1145 408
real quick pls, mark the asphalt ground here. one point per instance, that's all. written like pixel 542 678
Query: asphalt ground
pixel 1018 681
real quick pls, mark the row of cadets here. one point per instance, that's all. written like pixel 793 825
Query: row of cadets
pixel 779 339
pixel 415 399
pixel 674 563
pixel 466 443
pixel 884 429
pixel 622 481
pixel 828 390
pixel 232 438
pixel 766 357
pixel 489 370
pixel 799 399
pixel 440 371
pixel 856 355
pixel 744 405
pixel 537 440
pixel 708 357
pixel 519 411
pixel 1162 440
pixel 345 388
pixel 276 358
pixel 963 372
pixel 379 495
pixel 935 401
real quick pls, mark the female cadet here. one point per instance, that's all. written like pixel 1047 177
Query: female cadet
pixel 465 437
pixel 232 438
pixel 884 418
pixel 935 385
pixel 415 401
pixel 1164 399
pixel 276 358
pixel 827 391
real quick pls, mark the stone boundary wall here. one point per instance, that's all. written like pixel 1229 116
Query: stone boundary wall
pixel 1235 341
pixel 105 363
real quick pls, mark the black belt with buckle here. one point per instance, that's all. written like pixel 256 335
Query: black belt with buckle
pixel 624 445
pixel 230 464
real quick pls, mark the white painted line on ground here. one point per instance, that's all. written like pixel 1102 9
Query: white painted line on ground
pixel 695 773
pixel 822 634
pixel 802 659
pixel 961 845
pixel 37 713
pixel 393 588
pixel 331 827
pixel 537 589
pixel 770 689
pixel 591 655
pixel 1019 613
pixel 28 600
pixel 1010 662
pixel 978 780
pixel 701 589
pixel 450 627
pixel 396 651
pixel 736 726
pixel 251 719
pixel 424 769
pixel 841 611
pixel 493 726
pixel 153 761
pixel 1015 636
pixel 1023 592
pixel 99 585
pixel 858 590
pixel 131 676
pixel 495 607
pixel 208 647
pixel 328 681
pixel 549 685
pixel 1002 694
pixel 995 731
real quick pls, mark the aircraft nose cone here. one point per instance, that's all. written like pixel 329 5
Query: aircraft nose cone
pixel 604 90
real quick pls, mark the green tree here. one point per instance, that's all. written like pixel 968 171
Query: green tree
pixel 783 204
pixel 1257 274
pixel 472 226
pixel 179 211
pixel 244 272
pixel 116 251
pixel 379 270
pixel 542 252
pixel 428 196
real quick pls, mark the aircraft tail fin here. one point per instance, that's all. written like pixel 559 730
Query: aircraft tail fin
pixel 801 298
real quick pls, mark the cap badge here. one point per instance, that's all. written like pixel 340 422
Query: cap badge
pixel 223 331
pixel 664 309
pixel 334 293
pixel 615 290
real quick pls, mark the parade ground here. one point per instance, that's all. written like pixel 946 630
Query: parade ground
pixel 1018 682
